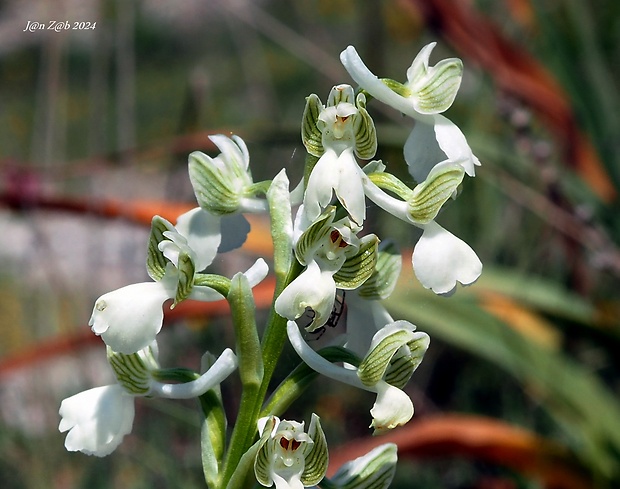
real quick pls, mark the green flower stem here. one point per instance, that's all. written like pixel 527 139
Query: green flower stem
pixel 214 426
pixel 274 336
pixel 216 282
pixel 248 351
pixel 300 378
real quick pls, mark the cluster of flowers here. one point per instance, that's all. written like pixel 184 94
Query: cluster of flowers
pixel 318 250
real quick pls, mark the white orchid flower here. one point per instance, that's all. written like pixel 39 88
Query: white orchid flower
pixel 440 259
pixel 223 185
pixel 336 133
pixel 98 419
pixel 128 319
pixel 289 457
pixel 427 92
pixel 395 352
pixel 334 257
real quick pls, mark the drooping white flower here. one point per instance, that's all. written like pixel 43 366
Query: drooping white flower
pixel 440 259
pixel 289 457
pixel 128 319
pixel 98 419
pixel 336 133
pixel 427 92
pixel 395 352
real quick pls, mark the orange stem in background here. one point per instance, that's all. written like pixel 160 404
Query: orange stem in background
pixel 479 438
pixel 516 72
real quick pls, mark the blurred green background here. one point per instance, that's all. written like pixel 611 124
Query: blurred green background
pixel 112 112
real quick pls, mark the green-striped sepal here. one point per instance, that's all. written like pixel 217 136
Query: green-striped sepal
pixel 364 129
pixel 155 260
pixel 426 200
pixel 360 266
pixel 433 88
pixel 396 351
pixel 344 120
pixel 313 237
pixel 134 371
pixel 311 135
pixel 221 183
pixel 385 275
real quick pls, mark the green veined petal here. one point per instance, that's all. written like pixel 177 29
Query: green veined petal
pixel 428 197
pixel 310 133
pixel 317 458
pixel 359 267
pixel 155 259
pixel 365 132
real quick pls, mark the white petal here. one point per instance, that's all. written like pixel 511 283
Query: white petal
pixel 129 318
pixel 312 288
pixel 364 319
pixel 375 87
pixel 293 482
pixel 321 183
pixel 422 151
pixel 201 229
pixel 97 419
pixel 222 368
pixel 453 143
pixel 419 66
pixel 234 152
pixel 257 272
pixel 430 144
pixel 440 260
pixel 349 189
pixel 393 408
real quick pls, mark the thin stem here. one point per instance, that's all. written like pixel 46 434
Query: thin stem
pixel 250 371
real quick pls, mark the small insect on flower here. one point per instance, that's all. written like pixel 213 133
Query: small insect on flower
pixel 338 311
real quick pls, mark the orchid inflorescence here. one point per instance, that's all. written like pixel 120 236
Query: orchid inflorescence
pixel 320 251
